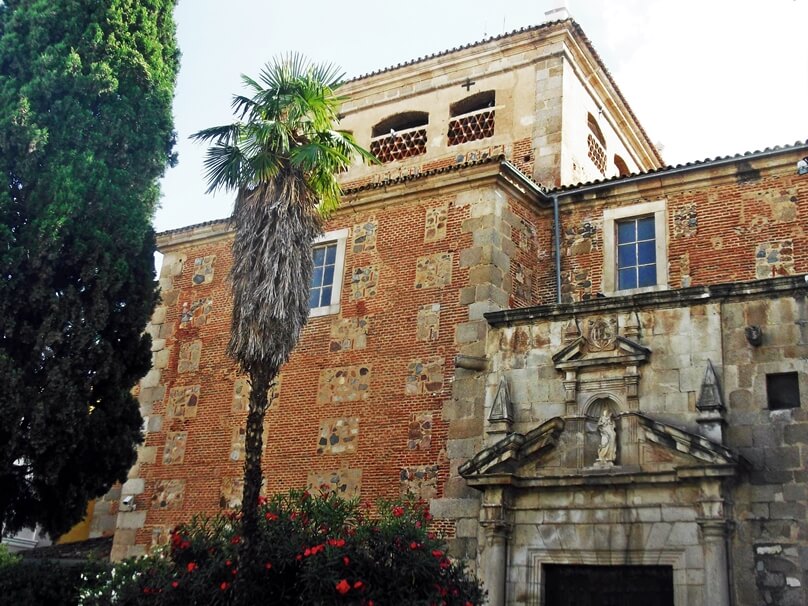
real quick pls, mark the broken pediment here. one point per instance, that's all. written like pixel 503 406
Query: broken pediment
pixel 580 353
pixel 554 454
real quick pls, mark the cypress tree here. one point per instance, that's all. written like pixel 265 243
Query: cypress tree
pixel 85 132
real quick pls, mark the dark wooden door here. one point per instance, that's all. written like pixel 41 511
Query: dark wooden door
pixel 567 585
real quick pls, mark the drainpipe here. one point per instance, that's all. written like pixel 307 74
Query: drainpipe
pixel 557 244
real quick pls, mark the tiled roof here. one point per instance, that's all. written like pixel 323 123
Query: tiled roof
pixel 178 230
pixel 422 174
pixel 97 549
pixel 532 28
pixel 566 189
pixel 695 164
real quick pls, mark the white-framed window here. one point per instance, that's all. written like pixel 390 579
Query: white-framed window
pixel 635 254
pixel 328 254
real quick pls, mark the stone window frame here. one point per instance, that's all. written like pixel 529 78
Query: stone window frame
pixel 611 216
pixel 340 238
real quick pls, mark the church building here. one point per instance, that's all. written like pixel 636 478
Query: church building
pixel 590 364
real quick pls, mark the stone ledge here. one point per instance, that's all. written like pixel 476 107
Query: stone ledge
pixel 683 297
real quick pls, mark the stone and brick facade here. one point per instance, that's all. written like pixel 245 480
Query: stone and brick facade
pixel 468 352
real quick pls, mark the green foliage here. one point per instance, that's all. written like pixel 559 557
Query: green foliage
pixel 85 131
pixel 286 126
pixel 311 549
pixel 6 558
pixel 27 583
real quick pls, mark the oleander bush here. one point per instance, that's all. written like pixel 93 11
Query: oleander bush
pixel 317 549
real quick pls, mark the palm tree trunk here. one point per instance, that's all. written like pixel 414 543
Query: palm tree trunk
pixel 261 380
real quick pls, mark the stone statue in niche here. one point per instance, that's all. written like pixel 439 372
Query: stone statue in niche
pixel 607 452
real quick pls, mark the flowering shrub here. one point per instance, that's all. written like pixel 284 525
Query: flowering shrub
pixel 313 549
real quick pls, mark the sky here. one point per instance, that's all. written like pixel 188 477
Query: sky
pixel 706 78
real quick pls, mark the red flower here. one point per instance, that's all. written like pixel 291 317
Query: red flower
pixel 437 553
pixel 468 603
pixel 414 545
pixel 293 516
pixel 398 511
pixel 271 516
pixel 234 571
pixel 343 587
pixel 185 545
pixel 428 517
pixel 268 565
pixel 307 552
pixel 336 542
pixel 228 563
pixel 235 540
pixel 175 584
pixel 346 560
pixel 262 500
pixel 192 566
pixel 358 585
pixel 444 564
pixel 224 586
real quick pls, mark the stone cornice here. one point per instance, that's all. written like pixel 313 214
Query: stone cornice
pixel 683 297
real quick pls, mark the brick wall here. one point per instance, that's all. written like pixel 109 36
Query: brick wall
pixel 363 402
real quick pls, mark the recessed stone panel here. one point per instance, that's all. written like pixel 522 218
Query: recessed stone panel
pixel 433 271
pixel 364 282
pixel 196 314
pixel 174 451
pixel 435 223
pixel 349 333
pixel 424 376
pixel 232 493
pixel 522 282
pixel 774 259
pixel 168 494
pixel 364 236
pixel 420 482
pixel 203 270
pixel 345 482
pixel 241 394
pixel 190 355
pixel 238 440
pixel 428 322
pixel 419 434
pixel 160 536
pixel 338 436
pixel 685 221
pixel 346 384
pixel 183 402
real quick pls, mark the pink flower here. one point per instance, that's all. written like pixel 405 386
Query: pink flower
pixel 343 587
pixel 175 584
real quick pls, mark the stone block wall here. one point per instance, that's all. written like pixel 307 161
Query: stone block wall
pixel 766 503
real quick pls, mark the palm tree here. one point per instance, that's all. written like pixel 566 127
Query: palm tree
pixel 281 158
